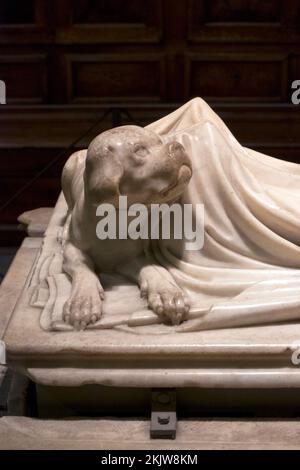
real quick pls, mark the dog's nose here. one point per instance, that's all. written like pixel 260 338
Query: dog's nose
pixel 175 148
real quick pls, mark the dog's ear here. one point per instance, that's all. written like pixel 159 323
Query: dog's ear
pixel 103 172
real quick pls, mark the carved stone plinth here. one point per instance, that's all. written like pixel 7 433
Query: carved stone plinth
pixel 252 357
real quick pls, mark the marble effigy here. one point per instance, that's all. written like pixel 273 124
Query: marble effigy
pixel 246 273
pixel 236 322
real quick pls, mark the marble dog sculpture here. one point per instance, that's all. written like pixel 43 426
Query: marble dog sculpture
pixel 130 161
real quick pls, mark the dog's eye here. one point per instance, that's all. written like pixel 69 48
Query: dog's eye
pixel 141 150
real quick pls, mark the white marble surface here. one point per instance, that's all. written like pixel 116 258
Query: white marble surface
pixel 35 221
pixel 247 272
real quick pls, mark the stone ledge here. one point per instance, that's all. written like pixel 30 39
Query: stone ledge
pixel 112 434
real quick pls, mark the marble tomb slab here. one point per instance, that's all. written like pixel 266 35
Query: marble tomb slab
pixel 248 357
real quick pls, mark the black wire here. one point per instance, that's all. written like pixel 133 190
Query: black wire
pixel 54 160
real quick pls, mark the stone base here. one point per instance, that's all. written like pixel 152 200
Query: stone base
pixel 111 434
pixel 252 357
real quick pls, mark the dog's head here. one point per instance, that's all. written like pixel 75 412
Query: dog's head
pixel 132 161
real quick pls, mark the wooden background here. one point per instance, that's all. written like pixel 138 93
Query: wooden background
pixel 67 62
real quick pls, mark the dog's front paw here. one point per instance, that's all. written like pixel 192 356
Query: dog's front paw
pixel 84 306
pixel 166 300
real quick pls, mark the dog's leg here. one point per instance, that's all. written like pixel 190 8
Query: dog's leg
pixel 85 303
pixel 157 285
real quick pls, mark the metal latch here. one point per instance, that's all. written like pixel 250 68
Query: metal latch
pixel 163 414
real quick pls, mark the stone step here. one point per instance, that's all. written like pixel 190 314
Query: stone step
pixel 111 434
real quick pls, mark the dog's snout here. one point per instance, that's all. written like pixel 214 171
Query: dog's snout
pixel 178 154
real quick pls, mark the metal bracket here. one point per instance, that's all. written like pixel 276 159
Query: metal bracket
pixel 163 414
pixel 2 353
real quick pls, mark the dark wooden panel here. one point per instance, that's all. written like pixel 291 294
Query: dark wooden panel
pixel 106 11
pixel 28 162
pixel 113 77
pixel 11 236
pixel 56 127
pixel 246 11
pixel 26 22
pixel 104 21
pixel 25 77
pixel 16 12
pixel 41 193
pixel 294 72
pixel 244 21
pixel 233 76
